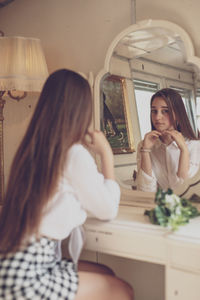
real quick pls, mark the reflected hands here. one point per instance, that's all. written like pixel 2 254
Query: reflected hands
pixel 166 136
pixel 176 136
pixel 150 138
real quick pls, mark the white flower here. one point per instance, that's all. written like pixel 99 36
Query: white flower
pixel 172 201
pixel 176 198
pixel 169 226
pixel 178 211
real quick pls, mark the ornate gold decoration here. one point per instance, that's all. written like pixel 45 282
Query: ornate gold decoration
pixel 116 119
pixel 2 102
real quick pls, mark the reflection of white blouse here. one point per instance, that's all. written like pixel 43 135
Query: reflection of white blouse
pixel 165 160
pixel 82 191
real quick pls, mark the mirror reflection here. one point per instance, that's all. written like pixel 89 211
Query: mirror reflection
pixel 146 61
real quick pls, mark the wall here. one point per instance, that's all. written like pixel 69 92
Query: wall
pixel 184 13
pixel 76 34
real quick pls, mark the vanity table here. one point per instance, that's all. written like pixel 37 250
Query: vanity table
pixel 132 236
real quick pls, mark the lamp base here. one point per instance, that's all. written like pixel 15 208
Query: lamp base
pixel 2 102
pixel 17 97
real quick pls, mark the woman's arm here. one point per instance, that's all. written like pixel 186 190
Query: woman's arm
pixel 183 166
pixel 148 142
pixel 146 164
pixel 99 145
pixel 98 192
pixel 184 159
pixel 144 181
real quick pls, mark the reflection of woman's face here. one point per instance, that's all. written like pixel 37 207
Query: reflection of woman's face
pixel 160 115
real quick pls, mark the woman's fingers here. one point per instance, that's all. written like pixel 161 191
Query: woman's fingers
pixel 153 133
pixel 177 137
pixel 97 142
pixel 150 138
pixel 174 134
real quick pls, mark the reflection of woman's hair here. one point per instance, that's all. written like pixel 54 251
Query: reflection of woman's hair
pixel 61 118
pixel 177 113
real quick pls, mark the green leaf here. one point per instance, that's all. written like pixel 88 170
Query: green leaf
pixel 171 211
pixel 152 216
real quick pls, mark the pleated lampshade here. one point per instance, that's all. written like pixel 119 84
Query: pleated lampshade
pixel 22 64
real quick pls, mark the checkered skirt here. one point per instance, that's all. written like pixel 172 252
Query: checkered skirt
pixel 35 273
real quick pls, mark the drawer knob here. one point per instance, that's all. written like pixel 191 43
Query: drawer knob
pixel 176 293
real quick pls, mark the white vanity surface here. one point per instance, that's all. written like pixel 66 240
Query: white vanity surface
pixel 131 235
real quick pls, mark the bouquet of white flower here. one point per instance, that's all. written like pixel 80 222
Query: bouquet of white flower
pixel 171 211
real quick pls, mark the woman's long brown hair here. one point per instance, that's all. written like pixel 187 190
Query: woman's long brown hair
pixel 177 112
pixel 61 118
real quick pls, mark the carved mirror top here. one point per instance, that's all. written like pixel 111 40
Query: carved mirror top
pixel 146 33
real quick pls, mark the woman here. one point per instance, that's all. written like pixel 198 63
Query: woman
pixel 53 185
pixel 169 154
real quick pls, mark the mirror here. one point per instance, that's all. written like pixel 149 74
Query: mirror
pixel 147 56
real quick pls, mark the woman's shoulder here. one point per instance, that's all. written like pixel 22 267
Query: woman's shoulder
pixel 193 144
pixel 78 157
pixel 78 151
pixel 76 148
pixel 79 148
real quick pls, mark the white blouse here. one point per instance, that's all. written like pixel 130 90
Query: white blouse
pixel 82 191
pixel 165 160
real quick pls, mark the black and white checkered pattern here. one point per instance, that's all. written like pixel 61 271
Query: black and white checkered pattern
pixel 34 273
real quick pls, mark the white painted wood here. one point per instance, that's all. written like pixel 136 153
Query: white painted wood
pixel 147 279
pixel 183 285
pixel 131 236
pixel 159 70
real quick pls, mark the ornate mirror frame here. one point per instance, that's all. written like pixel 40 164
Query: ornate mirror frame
pixel 134 197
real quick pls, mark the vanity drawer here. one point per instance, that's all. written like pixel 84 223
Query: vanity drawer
pixel 182 285
pixel 185 256
pixel 134 245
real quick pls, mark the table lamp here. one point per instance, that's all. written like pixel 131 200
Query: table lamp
pixel 22 68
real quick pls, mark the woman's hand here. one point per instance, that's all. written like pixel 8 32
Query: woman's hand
pixel 177 137
pixel 97 142
pixel 150 138
pixel 184 159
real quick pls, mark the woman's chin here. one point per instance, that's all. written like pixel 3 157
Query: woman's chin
pixel 161 130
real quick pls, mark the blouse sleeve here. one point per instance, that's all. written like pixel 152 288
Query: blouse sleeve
pixel 97 195
pixel 194 150
pixel 145 182
pixel 194 163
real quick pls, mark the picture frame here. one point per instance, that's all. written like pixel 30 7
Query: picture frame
pixel 115 114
